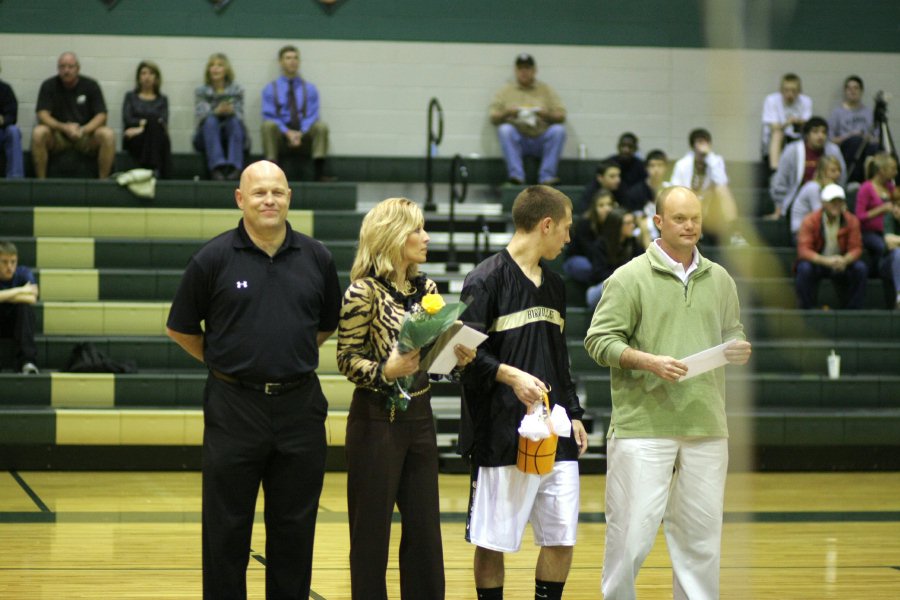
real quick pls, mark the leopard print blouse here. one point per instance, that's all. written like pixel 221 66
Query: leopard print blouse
pixel 371 315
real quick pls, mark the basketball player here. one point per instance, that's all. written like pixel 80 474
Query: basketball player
pixel 521 304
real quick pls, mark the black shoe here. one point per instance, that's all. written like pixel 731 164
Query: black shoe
pixel 218 174
pixel 233 174
pixel 515 181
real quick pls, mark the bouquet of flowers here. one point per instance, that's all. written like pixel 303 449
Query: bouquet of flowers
pixel 421 326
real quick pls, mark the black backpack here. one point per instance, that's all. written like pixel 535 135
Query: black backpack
pixel 85 358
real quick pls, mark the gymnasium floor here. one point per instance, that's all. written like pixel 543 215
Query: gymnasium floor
pixel 115 535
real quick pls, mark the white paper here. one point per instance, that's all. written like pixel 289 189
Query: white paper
pixel 562 426
pixel 706 360
pixel 446 359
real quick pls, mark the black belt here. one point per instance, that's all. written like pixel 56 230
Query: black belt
pixel 270 389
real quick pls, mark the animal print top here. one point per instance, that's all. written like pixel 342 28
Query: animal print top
pixel 371 315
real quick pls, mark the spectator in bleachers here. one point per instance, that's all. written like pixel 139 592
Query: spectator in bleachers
pixel 290 112
pixel 585 234
pixel 71 113
pixel 145 121
pixel 10 136
pixel 18 292
pixel 798 163
pixel 783 115
pixel 852 127
pixel 267 297
pixel 615 246
pixel 630 164
pixel 873 201
pixel 392 455
pixel 641 197
pixel 609 178
pixel 703 171
pixel 529 116
pixel 890 264
pixel 219 113
pixel 829 244
pixel 828 170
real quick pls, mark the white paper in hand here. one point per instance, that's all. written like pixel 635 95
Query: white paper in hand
pixel 441 359
pixel 706 360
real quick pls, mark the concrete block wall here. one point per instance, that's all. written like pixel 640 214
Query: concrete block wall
pixel 375 94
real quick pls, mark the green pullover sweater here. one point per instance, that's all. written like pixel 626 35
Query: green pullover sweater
pixel 645 306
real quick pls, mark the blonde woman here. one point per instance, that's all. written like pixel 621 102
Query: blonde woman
pixel 219 115
pixel 392 455
pixel 828 170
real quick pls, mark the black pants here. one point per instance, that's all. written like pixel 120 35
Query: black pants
pixel 393 463
pixel 152 149
pixel 249 438
pixel 17 322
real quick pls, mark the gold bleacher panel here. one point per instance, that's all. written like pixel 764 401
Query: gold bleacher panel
pixel 73 318
pixel 337 390
pixel 153 427
pixel 65 253
pixel 61 221
pixel 105 318
pixel 150 223
pixel 328 358
pixel 88 427
pixel 164 427
pixel 70 284
pixel 82 390
pixel 118 222
pixel 135 318
pixel 336 427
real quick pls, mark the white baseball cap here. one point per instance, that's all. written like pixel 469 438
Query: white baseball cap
pixel 832 191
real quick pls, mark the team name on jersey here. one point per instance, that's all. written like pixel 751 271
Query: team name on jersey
pixel 525 317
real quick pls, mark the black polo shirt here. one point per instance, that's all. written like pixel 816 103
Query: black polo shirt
pixel 262 314
pixel 77 105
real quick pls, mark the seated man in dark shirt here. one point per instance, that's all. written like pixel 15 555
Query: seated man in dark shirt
pixel 608 177
pixel 71 113
pixel 18 291
pixel 642 193
pixel 630 164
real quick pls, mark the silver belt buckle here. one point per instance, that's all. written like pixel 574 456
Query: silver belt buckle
pixel 272 389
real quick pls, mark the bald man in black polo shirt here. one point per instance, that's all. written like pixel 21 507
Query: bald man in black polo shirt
pixel 269 297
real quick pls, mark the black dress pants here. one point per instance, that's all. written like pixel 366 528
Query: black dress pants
pixel 279 441
pixel 17 321
pixel 387 464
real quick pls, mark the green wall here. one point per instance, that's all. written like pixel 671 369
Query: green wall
pixel 827 25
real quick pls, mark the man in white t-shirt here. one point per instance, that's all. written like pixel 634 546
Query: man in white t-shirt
pixel 703 171
pixel 783 115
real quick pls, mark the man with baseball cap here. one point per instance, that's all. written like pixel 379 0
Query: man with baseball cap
pixel 829 244
pixel 529 117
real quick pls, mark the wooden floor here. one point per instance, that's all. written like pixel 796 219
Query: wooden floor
pixel 137 535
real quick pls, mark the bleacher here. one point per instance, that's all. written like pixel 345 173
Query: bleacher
pixel 108 264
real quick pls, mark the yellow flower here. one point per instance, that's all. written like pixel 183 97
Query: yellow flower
pixel 432 303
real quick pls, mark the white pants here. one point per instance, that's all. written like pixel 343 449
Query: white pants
pixel 680 481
